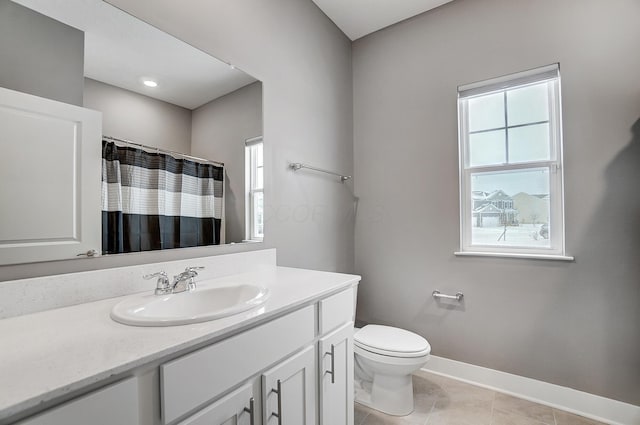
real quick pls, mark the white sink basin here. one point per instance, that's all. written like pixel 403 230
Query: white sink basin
pixel 199 305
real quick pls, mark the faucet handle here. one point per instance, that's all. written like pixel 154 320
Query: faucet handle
pixel 193 270
pixel 162 285
pixel 159 274
pixel 191 273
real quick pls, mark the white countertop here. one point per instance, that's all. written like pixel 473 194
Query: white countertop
pixel 45 355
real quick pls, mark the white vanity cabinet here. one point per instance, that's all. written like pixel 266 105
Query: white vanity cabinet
pixel 193 380
pixel 298 369
pixel 282 395
pixel 295 369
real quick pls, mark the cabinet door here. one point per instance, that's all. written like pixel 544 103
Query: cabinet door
pixel 336 377
pixel 236 408
pixel 49 179
pixel 289 391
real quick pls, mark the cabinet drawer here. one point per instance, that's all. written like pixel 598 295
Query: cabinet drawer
pixel 192 380
pixel 115 404
pixel 336 310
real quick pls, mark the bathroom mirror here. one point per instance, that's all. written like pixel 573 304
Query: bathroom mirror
pixel 156 94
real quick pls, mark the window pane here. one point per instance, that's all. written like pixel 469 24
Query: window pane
pixel 529 143
pixel 511 208
pixel 258 215
pixel 486 112
pixel 487 148
pixel 259 155
pixel 259 179
pixel 528 104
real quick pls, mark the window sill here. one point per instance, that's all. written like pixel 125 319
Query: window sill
pixel 513 255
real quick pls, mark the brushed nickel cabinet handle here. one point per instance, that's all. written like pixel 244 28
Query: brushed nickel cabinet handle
pixel 251 411
pixel 90 253
pixel 278 391
pixel 331 372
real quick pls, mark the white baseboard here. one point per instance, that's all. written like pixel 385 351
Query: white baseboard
pixel 584 404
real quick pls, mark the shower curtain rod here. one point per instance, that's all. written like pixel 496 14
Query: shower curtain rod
pixel 166 151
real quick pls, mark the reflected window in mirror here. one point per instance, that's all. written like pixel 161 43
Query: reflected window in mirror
pixel 255 188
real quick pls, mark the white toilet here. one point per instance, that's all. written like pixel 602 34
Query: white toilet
pixel 385 358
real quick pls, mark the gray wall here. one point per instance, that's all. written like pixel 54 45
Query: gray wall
pixel 304 62
pixel 46 56
pixel 219 131
pixel 572 324
pixel 142 119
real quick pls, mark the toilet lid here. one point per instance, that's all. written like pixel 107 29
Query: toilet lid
pixel 391 341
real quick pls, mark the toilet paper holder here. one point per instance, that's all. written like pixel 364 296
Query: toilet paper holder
pixel 437 295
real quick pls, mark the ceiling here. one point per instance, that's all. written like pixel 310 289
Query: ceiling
pixel 122 51
pixel 357 18
pixel 187 76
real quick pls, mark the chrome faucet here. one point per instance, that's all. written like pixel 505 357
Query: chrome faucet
pixel 185 281
pixel 182 282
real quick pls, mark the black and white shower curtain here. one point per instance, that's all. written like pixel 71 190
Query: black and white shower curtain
pixel 154 201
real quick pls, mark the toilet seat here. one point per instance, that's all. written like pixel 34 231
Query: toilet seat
pixel 392 342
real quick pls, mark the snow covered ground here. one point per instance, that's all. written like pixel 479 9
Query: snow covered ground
pixel 523 235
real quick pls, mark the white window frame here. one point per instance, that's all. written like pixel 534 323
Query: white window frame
pixel 251 189
pixel 556 251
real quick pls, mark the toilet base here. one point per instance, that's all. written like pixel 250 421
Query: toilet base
pixel 392 395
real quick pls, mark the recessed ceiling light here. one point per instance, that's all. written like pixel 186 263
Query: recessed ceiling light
pixel 150 83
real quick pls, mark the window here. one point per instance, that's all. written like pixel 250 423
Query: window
pixel 510 144
pixel 255 189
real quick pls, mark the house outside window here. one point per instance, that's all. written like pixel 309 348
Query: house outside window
pixel 254 183
pixel 510 146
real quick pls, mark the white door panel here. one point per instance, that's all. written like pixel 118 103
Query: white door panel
pixel 50 171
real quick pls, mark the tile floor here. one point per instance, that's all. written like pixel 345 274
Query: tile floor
pixel 443 401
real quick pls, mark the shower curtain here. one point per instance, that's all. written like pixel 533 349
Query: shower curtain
pixel 154 201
